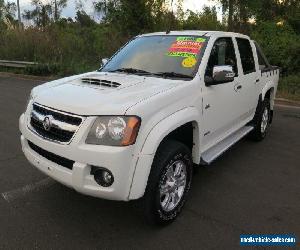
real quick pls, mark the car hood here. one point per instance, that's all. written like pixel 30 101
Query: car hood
pixel 114 96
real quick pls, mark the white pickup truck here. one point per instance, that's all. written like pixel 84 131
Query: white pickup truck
pixel 163 104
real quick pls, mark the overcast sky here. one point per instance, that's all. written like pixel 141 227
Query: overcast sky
pixel 69 11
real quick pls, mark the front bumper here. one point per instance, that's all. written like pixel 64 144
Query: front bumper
pixel 121 161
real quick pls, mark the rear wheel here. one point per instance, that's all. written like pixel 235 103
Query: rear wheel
pixel 261 121
pixel 169 183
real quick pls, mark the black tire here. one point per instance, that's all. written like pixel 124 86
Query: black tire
pixel 258 134
pixel 168 155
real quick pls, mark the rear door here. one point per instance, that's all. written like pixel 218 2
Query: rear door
pixel 249 79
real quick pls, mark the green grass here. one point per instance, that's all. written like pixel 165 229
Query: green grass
pixel 52 69
pixel 289 87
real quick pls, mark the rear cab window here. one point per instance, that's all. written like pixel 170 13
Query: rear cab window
pixel 262 60
pixel 246 54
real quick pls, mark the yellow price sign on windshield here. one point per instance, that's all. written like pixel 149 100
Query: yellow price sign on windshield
pixel 189 62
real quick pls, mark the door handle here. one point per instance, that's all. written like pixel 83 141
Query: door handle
pixel 207 106
pixel 237 87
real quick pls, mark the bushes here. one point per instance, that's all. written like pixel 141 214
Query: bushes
pixel 43 69
pixel 289 87
pixel 77 46
pixel 281 45
pixel 68 47
pixel 63 48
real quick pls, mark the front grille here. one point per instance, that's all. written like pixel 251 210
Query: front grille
pixel 63 126
pixel 53 134
pixel 57 115
pixel 64 162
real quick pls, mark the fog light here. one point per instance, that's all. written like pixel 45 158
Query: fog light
pixel 102 176
pixel 107 177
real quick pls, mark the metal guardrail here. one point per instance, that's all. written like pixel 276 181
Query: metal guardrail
pixel 16 64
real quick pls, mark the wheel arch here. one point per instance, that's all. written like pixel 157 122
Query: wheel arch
pixel 166 128
pixel 269 92
pixel 185 118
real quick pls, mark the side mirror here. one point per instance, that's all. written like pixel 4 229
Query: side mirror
pixel 103 62
pixel 221 74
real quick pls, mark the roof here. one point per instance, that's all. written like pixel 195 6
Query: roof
pixel 197 33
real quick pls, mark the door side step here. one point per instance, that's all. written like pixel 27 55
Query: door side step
pixel 214 152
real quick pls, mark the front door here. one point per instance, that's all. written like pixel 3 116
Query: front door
pixel 221 109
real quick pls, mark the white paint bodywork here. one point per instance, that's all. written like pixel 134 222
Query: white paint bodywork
pixel 162 104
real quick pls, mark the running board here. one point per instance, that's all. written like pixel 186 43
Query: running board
pixel 214 152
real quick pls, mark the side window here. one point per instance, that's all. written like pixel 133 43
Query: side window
pixel 262 61
pixel 246 54
pixel 222 53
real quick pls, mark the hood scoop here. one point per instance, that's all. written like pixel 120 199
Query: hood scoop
pixel 101 83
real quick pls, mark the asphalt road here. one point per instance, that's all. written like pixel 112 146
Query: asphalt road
pixel 253 188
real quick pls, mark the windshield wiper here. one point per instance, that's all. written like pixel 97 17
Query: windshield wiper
pixel 143 72
pixel 172 74
pixel 132 71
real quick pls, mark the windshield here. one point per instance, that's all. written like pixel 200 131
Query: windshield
pixel 162 56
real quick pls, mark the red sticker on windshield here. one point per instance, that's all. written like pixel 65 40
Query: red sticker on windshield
pixel 186 47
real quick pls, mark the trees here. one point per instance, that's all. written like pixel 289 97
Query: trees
pixel 58 6
pixel 7 14
pixel 139 16
pixel 45 12
pixel 83 19
pixel 40 15
pixel 131 17
pixel 237 13
pixel 206 19
pixel 82 41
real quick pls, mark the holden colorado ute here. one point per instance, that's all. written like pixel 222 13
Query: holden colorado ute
pixel 161 105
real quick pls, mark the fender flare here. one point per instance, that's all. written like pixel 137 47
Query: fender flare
pixel 269 86
pixel 152 142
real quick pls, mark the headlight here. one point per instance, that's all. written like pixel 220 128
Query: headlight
pixel 114 130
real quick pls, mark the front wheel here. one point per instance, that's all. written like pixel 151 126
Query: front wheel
pixel 169 183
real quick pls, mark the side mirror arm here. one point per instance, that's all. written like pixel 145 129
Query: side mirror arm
pixel 103 62
pixel 208 80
